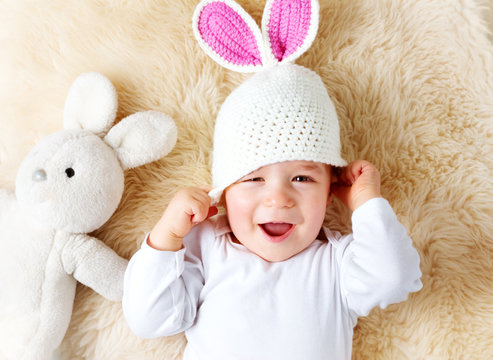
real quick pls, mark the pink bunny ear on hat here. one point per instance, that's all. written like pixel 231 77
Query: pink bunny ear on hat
pixel 229 35
pixel 289 27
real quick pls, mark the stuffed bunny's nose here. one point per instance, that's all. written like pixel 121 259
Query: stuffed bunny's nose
pixel 39 175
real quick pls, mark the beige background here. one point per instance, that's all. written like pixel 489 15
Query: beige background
pixel 412 82
pixel 489 17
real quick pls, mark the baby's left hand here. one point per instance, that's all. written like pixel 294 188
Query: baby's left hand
pixel 356 184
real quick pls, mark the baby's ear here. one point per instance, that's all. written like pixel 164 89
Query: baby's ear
pixel 334 174
pixel 142 138
pixel 91 104
pixel 330 197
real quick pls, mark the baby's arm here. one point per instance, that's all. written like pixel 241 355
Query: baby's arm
pixel 163 281
pixel 379 266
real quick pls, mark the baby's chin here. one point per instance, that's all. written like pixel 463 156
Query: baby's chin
pixel 273 258
pixel 277 255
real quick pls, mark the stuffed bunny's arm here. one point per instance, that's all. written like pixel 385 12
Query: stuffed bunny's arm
pixel 96 265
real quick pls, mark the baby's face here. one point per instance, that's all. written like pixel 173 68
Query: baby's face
pixel 278 210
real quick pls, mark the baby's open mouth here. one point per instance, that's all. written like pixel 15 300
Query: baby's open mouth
pixel 277 231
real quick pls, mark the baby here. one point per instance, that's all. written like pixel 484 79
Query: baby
pixel 267 280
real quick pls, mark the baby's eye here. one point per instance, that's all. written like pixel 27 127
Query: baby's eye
pixel 253 179
pixel 302 178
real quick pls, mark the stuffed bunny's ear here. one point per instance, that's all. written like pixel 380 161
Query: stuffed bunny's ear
pixel 289 27
pixel 229 35
pixel 91 104
pixel 142 138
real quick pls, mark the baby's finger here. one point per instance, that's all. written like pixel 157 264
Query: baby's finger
pixel 356 168
pixel 205 189
pixel 199 214
pixel 202 210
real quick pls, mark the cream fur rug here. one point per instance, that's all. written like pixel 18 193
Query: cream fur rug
pixel 413 85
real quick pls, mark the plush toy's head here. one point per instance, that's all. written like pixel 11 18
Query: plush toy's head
pixel 73 180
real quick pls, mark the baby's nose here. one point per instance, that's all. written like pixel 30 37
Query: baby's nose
pixel 278 198
pixel 39 175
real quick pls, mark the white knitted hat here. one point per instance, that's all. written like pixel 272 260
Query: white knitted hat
pixel 283 112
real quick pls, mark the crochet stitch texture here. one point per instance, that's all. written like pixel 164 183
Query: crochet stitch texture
pixel 286 38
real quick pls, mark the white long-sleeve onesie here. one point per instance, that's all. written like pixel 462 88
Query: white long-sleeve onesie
pixel 234 305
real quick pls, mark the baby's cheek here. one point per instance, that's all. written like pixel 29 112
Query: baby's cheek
pixel 316 212
pixel 237 200
pixel 236 208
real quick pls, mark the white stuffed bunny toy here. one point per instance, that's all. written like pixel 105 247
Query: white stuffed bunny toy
pixel 68 185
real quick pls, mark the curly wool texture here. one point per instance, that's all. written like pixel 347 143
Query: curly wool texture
pixel 412 84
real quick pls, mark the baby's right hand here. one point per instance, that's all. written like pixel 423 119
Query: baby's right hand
pixel 188 207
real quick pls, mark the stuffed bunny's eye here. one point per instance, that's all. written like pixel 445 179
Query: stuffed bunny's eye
pixel 70 172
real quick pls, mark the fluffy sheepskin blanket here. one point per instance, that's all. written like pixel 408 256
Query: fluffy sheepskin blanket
pixel 412 82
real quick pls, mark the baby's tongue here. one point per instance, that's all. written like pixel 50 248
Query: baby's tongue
pixel 276 229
